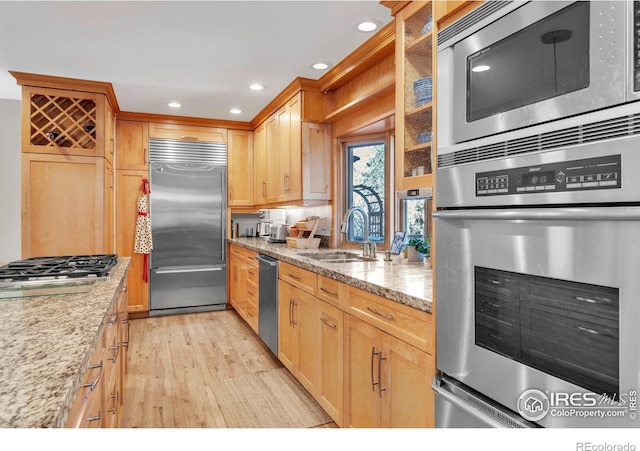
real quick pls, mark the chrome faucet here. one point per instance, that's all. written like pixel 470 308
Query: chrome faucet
pixel 368 247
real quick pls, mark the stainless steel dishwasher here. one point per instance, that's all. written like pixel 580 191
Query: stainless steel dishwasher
pixel 268 302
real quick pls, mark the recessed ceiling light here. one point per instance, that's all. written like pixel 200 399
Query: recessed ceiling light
pixel 482 68
pixel 367 26
pixel 235 111
pixel 256 86
pixel 321 66
pixel 174 105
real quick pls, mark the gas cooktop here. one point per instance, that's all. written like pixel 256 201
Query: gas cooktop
pixel 54 268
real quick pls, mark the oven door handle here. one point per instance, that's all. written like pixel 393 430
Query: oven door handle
pixel 545 214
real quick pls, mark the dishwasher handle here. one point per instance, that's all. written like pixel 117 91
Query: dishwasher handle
pixel 267 260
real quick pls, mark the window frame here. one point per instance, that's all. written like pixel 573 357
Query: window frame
pixel 345 188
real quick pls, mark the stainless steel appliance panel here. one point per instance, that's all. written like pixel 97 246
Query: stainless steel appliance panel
pixel 588 245
pixel 268 302
pixel 188 219
pixel 457 406
pixel 531 79
pixel 456 185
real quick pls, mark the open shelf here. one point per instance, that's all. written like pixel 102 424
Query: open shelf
pixel 362 101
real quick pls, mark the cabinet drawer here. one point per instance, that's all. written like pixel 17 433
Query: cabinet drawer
pixel 187 132
pixel 253 276
pixel 329 290
pixel 252 315
pixel 298 277
pixel 252 292
pixel 250 257
pixel 237 251
pixel 408 324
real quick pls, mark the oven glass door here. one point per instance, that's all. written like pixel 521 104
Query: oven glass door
pixel 542 299
pixel 543 61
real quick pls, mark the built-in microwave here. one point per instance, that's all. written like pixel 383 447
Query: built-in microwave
pixel 517 64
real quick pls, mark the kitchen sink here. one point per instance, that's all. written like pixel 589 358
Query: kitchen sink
pixel 338 257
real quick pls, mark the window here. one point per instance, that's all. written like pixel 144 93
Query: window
pixel 367 187
pixel 415 218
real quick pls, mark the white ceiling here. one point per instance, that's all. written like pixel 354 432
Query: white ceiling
pixel 203 54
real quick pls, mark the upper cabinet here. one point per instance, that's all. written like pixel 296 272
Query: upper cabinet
pixel 132 140
pixel 292 158
pixel 67 166
pixel 58 121
pixel 415 85
pixel 187 132
pixel 240 168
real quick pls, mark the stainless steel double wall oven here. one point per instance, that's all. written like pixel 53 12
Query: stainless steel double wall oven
pixel 538 228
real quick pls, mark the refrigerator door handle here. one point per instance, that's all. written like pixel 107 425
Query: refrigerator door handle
pixel 223 218
pixel 170 270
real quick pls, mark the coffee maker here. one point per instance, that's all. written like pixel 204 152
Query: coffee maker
pixel 269 218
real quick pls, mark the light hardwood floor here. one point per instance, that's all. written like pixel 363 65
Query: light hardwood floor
pixel 174 361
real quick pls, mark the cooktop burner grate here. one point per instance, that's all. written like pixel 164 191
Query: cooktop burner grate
pixel 64 267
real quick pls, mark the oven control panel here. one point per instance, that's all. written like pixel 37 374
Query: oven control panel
pixel 566 176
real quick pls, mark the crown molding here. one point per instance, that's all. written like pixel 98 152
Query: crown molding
pixel 69 84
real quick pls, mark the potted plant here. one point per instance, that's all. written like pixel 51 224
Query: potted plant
pixel 417 249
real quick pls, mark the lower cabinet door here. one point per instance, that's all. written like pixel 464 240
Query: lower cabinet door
pixel 305 333
pixel 286 326
pixel 330 357
pixel 362 378
pixel 406 374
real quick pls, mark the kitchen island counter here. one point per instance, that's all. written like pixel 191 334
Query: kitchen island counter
pixel 398 280
pixel 46 344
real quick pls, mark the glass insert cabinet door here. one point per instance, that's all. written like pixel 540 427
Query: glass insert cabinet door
pixel 415 86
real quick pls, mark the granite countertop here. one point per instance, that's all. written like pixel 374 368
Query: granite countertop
pixel 401 281
pixel 46 343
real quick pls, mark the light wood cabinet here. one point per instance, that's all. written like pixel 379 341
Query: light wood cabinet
pixel 240 168
pixel 330 360
pixel 132 145
pixel 297 334
pixel 187 132
pixel 128 190
pixel 87 410
pixel 243 294
pixel 294 164
pixel 98 403
pixel 109 208
pixel 63 205
pixel 63 122
pixel 415 131
pixel 446 12
pixel 67 139
pixel 387 380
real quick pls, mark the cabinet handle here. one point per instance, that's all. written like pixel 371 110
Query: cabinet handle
pixel 114 410
pixel 384 315
pixel 329 292
pixel 146 156
pixel 191 138
pixel 92 385
pixel 380 388
pixel 113 318
pixel 373 354
pixel 264 189
pixel 286 182
pixel 250 292
pixel 250 314
pixel 97 418
pixel 294 276
pixel 114 348
pixel 125 342
pixel 290 312
pixel 333 326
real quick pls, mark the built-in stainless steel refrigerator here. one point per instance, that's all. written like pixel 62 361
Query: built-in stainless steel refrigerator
pixel 188 223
